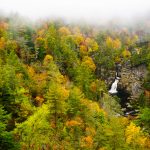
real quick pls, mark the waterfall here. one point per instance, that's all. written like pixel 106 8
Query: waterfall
pixel 113 89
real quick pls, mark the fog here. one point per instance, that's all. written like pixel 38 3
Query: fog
pixel 87 10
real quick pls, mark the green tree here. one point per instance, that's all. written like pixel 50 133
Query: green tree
pixel 7 141
pixel 56 96
pixel 35 132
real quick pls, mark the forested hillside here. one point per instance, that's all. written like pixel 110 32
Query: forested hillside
pixel 54 89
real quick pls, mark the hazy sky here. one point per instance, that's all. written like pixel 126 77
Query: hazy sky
pixel 77 9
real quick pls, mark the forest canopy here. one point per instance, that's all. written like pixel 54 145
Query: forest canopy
pixel 54 89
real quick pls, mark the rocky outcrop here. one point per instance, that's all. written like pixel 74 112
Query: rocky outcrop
pixel 129 86
pixel 132 80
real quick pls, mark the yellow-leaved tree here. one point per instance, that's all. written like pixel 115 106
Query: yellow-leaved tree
pixel 126 53
pixel 88 62
pixel 79 38
pixel 109 42
pixel 91 44
pixel 83 49
pixel 134 136
pixel 48 59
pixel 64 31
pixel 114 44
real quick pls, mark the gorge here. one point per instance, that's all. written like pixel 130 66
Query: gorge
pixel 128 86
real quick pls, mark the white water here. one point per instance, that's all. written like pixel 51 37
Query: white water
pixel 113 89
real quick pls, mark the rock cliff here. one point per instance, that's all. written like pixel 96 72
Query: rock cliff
pixel 132 79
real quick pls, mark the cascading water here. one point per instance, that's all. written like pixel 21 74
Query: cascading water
pixel 113 89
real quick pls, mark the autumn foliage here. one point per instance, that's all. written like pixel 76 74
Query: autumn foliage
pixel 54 82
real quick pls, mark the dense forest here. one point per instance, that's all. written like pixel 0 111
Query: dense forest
pixel 54 90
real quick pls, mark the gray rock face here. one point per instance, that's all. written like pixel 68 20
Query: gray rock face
pixel 132 80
